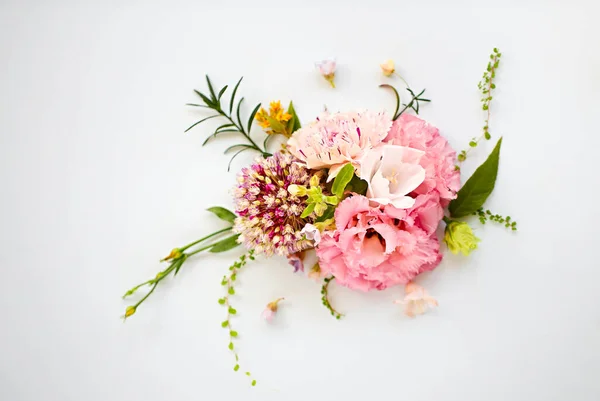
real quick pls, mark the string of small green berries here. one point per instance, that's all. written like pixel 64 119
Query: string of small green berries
pixel 325 297
pixel 485 215
pixel 486 86
pixel 228 282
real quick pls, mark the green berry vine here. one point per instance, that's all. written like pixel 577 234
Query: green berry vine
pixel 486 87
pixel 228 283
pixel 325 297
pixel 485 215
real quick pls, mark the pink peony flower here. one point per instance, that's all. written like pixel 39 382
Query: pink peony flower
pixel 417 300
pixel 375 248
pixel 335 140
pixel 438 161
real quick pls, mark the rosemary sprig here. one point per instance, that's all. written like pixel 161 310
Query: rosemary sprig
pixel 413 104
pixel 228 283
pixel 325 298
pixel 485 215
pixel 212 101
pixel 486 86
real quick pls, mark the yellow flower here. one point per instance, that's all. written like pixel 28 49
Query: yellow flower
pixel 459 237
pixel 388 68
pixel 275 120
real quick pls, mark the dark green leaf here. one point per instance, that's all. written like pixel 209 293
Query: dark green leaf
pixel 237 146
pixel 201 121
pixel 329 213
pixel 197 105
pixel 214 135
pixel 234 156
pixel 221 93
pixel 225 244
pixel 357 185
pixel 233 95
pixel 251 119
pixel 205 99
pixel 210 88
pixel 222 213
pixel 478 187
pixel 342 179
pixel 397 97
pixel 238 113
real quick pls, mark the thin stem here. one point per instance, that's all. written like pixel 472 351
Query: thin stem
pixel 205 238
pixel 246 134
pixel 325 298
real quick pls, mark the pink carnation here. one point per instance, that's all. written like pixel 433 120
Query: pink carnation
pixel 375 248
pixel 335 140
pixel 439 160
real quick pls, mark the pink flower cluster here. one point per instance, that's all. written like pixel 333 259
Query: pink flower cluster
pixel 376 245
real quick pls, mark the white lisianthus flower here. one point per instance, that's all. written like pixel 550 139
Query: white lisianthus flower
pixel 392 172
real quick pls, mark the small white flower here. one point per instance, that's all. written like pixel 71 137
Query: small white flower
pixel 311 233
pixel 327 70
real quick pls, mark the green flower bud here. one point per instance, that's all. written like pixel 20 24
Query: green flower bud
pixel 460 238
pixel 297 190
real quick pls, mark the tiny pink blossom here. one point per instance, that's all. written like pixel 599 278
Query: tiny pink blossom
pixel 417 300
pixel 326 67
pixel 270 310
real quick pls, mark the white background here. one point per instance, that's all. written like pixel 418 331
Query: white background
pixel 98 182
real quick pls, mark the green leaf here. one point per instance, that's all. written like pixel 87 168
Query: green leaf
pixel 226 244
pixel 309 209
pixel 236 368
pixel 221 93
pixel 233 95
pixel 478 187
pixel 357 185
pixel 238 113
pixel 232 311
pixel 210 88
pixel 233 333
pixel 205 99
pixel 251 118
pixel 253 382
pixel 225 323
pixel 235 155
pixel 294 123
pixel 342 179
pixel 329 213
pixel 231 291
pixel 201 121
pixel 275 125
pixel 242 145
pixel 397 97
pixel 222 213
pixel 222 301
pixel 230 346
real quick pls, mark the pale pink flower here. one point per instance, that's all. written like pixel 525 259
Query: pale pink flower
pixel 439 159
pixel 327 70
pixel 270 310
pixel 375 248
pixel 335 140
pixel 392 173
pixel 311 233
pixel 417 300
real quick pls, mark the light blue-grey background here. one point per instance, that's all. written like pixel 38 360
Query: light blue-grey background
pixel 98 182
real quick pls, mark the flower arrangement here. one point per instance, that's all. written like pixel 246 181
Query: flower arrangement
pixel 366 191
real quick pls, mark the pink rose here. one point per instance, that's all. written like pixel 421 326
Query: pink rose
pixel 375 248
pixel 438 161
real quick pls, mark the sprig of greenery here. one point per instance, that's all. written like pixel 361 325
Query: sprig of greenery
pixel 486 86
pixel 178 256
pixel 228 283
pixel 485 215
pixel 325 297
pixel 413 104
pixel 213 102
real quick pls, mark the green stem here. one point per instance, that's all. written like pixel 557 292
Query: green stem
pixel 205 238
pixel 246 135
pixel 447 220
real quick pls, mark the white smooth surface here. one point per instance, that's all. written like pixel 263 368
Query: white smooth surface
pixel 99 182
